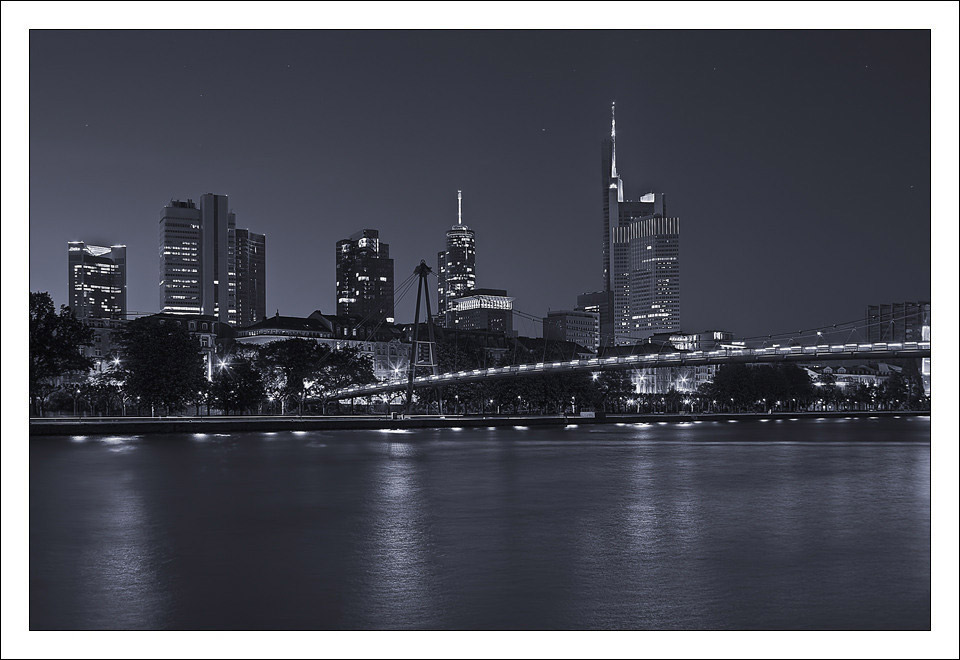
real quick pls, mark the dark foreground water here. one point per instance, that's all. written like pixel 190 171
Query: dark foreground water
pixel 779 525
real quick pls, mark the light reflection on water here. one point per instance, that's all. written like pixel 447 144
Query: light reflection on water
pixel 809 525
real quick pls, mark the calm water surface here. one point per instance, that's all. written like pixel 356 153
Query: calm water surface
pixel 809 524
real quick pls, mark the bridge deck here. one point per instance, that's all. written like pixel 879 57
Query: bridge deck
pixel 860 351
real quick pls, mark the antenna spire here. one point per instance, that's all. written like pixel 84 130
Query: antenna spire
pixel 613 139
pixel 459 208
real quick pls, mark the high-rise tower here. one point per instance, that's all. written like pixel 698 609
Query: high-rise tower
pixel 456 266
pixel 97 280
pixel 200 262
pixel 641 256
pixel 365 277
pixel 180 237
pixel 250 259
pixel 216 226
pixel 612 194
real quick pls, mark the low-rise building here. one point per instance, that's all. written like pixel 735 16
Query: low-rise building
pixel 381 342
pixel 843 376
pixel 483 309
pixel 105 348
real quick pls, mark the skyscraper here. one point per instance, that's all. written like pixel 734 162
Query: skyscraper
pixel 216 226
pixel 647 263
pixel 97 280
pixel 250 250
pixel 641 256
pixel 456 266
pixel 199 262
pixel 180 237
pixel 365 277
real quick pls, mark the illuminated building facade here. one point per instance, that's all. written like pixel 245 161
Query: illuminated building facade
pixel 204 257
pixel 97 280
pixel 180 237
pixel 365 277
pixel 641 257
pixel 483 309
pixel 647 263
pixel 456 267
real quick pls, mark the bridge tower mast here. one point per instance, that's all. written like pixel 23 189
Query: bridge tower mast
pixel 423 353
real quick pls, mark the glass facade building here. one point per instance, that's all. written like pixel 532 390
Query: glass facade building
pixel 250 258
pixel 641 257
pixel 203 257
pixel 365 277
pixel 180 238
pixel 97 280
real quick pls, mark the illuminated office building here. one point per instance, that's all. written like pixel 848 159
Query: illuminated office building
pixel 641 257
pixel 180 236
pixel 365 277
pixel 483 309
pixel 201 260
pixel 456 267
pixel 97 280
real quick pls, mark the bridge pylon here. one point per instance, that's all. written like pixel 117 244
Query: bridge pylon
pixel 423 353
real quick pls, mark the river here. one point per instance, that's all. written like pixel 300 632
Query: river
pixel 808 524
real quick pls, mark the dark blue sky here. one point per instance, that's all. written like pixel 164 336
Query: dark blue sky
pixel 799 162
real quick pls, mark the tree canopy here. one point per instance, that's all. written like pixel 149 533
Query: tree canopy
pixel 161 364
pixel 56 343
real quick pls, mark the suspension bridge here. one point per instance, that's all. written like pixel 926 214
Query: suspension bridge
pixel 843 341
pixel 816 353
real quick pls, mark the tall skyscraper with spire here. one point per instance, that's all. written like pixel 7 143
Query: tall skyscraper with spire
pixel 612 194
pixel 641 256
pixel 456 266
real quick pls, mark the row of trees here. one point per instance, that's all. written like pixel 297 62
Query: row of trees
pixel 158 369
pixel 738 387
pixel 56 340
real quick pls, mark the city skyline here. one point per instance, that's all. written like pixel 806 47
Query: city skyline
pixel 823 178
pixel 762 462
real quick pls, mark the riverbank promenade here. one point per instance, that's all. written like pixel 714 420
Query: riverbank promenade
pixel 60 426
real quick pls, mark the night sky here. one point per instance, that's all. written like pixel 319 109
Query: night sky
pixel 799 162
